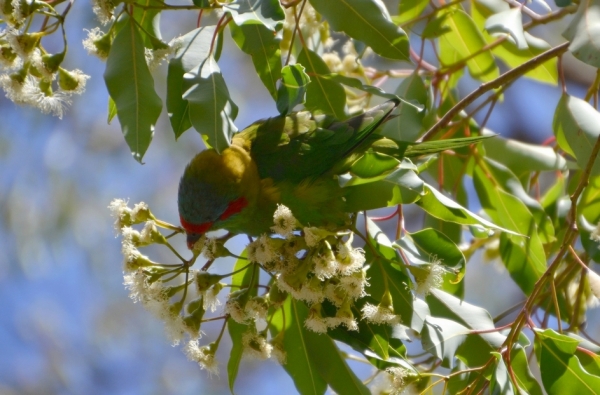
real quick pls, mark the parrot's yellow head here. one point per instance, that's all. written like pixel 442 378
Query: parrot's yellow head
pixel 214 189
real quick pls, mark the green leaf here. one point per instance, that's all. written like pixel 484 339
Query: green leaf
pixel 376 342
pixel 520 366
pixel 367 21
pixel 577 127
pixel 439 206
pixel 386 271
pixel 373 164
pixel 210 107
pixel 247 278
pixel 475 351
pixel 523 158
pixel 402 186
pixel 292 91
pixel 112 110
pixel 511 184
pixel 263 46
pixel 524 257
pixel 149 20
pixel 266 12
pixel 301 368
pixel 427 245
pixel 508 22
pixel 436 27
pixel 509 53
pixel 584 33
pixel 131 86
pixel 588 210
pixel 330 361
pixel 433 147
pixel 500 383
pixel 561 370
pixel 370 89
pixel 442 337
pixel 464 41
pixel 408 10
pixel 322 94
pixel 407 126
pixel 193 51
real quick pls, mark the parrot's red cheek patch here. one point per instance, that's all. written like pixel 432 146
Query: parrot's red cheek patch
pixel 193 228
pixel 234 207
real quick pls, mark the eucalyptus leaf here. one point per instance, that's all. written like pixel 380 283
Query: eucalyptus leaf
pixel 584 33
pixel 322 94
pixel 522 157
pixel 194 49
pixel 577 128
pixel 524 257
pixel 464 41
pixel 292 90
pixel 265 12
pixel 439 206
pixel 131 86
pixel 246 277
pixel 561 370
pixel 210 107
pixel 367 21
pixel 262 45
pixel 509 22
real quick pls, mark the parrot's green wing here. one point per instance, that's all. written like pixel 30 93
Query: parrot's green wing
pixel 300 146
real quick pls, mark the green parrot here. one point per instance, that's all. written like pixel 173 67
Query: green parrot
pixel 291 160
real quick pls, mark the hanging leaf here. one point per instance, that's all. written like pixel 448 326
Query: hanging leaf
pixel 509 22
pixel 561 370
pixel 367 21
pixel 577 127
pixel 584 33
pixel 322 94
pixel 265 12
pixel 131 87
pixel 194 49
pixel 464 41
pixel 292 90
pixel 210 107
pixel 263 46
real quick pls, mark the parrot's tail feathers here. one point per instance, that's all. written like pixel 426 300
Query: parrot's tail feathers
pixel 369 121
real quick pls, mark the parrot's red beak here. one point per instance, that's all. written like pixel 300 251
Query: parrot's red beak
pixel 193 231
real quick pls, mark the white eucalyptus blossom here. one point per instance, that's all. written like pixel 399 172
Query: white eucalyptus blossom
pixel 379 314
pixel 315 321
pixel 595 235
pixel 237 312
pixel 284 221
pixel 121 212
pixel 89 43
pixel 433 280
pixel 211 300
pixel 104 10
pixel 261 250
pixel 204 356
pixel 350 259
pixel 256 346
pixel 354 284
pixel 257 308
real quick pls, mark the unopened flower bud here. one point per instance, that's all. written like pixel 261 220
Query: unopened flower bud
pixel 52 62
pixel 205 280
pixel 276 295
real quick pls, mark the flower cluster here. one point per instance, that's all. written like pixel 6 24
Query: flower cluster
pixel 318 266
pixel 309 22
pixel 314 265
pixel 29 74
